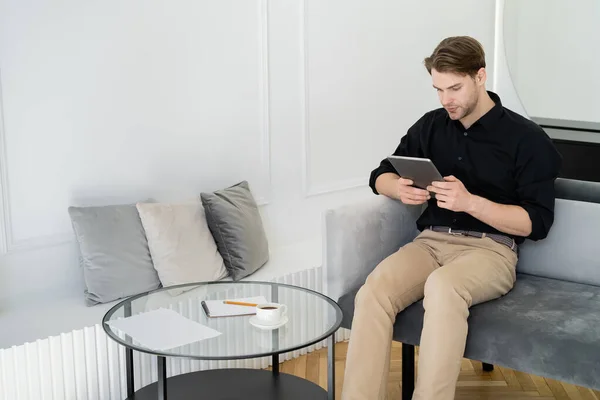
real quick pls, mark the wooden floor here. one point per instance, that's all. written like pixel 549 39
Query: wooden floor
pixel 473 383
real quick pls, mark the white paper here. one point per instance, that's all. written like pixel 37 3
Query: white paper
pixel 219 309
pixel 163 329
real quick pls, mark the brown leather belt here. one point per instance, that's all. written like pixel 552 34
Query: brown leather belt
pixel 505 240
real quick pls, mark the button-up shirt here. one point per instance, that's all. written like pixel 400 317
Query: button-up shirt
pixel 502 157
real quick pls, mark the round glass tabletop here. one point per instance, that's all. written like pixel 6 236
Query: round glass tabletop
pixel 174 321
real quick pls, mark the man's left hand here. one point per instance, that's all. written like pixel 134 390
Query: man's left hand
pixel 452 194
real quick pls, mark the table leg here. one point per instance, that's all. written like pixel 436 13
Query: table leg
pixel 408 371
pixel 129 359
pixel 275 363
pixel 162 378
pixel 129 371
pixel 275 333
pixel 331 367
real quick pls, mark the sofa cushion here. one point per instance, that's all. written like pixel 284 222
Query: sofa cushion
pixel 573 189
pixel 114 252
pixel 543 326
pixel 182 247
pixel 237 227
pixel 572 242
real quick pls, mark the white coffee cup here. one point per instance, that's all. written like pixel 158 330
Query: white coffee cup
pixel 270 313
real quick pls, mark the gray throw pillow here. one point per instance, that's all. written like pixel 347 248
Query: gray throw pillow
pixel 236 225
pixel 114 252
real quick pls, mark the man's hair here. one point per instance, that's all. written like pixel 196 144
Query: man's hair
pixel 457 54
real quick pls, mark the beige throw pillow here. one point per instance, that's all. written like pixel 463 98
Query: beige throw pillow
pixel 182 247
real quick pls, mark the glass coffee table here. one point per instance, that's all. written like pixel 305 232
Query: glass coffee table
pixel 312 318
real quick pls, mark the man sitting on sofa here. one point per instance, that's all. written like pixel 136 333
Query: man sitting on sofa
pixel 499 170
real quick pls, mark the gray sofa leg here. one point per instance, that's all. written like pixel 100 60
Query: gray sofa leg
pixel 408 371
pixel 487 367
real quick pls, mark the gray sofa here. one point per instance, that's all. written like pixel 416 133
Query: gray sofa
pixel 548 325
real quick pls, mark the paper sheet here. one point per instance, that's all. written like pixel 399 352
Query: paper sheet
pixel 163 329
pixel 217 308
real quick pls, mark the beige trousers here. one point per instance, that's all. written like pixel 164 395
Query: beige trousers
pixel 451 273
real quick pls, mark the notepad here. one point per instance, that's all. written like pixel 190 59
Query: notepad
pixel 163 329
pixel 216 308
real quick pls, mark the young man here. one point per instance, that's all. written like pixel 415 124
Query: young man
pixel 499 170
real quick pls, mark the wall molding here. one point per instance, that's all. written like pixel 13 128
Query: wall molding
pixel 337 186
pixel 306 167
pixel 498 40
pixel 502 80
pixel 308 187
pixel 39 242
pixel 5 226
pixel 265 112
pixel 8 243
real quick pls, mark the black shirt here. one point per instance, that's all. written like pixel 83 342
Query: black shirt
pixel 502 157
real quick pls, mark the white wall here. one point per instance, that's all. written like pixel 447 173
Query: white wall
pixel 107 102
pixel 552 53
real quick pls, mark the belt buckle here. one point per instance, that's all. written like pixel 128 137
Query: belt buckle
pixel 455 233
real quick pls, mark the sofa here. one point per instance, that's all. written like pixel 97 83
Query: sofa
pixel 548 325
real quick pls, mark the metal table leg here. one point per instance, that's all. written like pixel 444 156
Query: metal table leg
pixel 129 371
pixel 275 363
pixel 129 359
pixel 162 378
pixel 331 367
pixel 275 333
pixel 408 371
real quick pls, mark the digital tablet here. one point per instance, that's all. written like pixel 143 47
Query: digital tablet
pixel 421 171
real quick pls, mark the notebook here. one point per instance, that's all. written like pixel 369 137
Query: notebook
pixel 148 329
pixel 216 308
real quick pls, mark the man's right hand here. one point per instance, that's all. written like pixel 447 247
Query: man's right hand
pixel 395 187
pixel 409 194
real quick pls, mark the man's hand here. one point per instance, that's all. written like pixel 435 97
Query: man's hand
pixel 452 194
pixel 410 195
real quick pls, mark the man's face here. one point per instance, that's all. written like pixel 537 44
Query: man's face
pixel 458 94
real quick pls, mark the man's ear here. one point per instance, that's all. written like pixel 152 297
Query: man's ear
pixel 481 76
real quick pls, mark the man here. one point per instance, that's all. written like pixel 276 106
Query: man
pixel 499 170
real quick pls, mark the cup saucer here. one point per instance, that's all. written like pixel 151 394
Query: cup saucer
pixel 257 323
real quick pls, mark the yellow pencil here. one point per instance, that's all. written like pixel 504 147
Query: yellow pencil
pixel 239 303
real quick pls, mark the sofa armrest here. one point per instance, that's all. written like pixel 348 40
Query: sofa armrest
pixel 359 236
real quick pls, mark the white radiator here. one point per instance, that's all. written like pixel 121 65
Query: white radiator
pixel 86 364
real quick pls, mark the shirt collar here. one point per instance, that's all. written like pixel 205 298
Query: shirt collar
pixel 490 118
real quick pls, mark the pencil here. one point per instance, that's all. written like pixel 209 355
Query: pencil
pixel 239 303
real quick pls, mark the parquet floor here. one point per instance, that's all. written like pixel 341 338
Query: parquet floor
pixel 473 383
